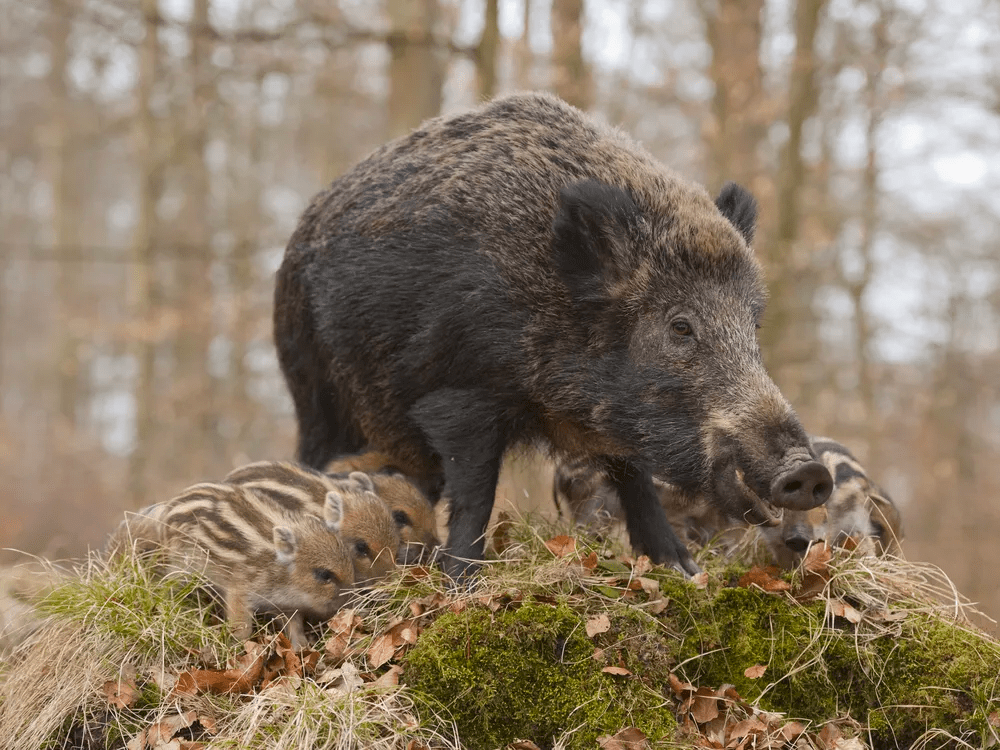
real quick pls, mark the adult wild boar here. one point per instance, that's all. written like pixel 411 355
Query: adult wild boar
pixel 521 273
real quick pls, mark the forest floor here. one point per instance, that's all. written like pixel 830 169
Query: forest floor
pixel 563 641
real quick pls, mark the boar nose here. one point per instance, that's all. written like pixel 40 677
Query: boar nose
pixel 797 543
pixel 807 485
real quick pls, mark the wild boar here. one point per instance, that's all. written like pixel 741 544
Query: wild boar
pixel 522 274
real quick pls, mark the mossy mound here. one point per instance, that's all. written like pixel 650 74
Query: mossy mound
pixel 559 641
pixel 528 673
pixel 526 670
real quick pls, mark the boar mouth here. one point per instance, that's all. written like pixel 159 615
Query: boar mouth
pixel 759 512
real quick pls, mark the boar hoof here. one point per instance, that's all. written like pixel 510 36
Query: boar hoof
pixel 807 485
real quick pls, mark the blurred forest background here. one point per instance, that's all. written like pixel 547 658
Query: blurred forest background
pixel 155 156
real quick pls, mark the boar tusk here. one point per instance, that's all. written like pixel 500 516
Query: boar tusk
pixel 761 512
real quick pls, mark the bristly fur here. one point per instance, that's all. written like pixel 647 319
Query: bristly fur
pixel 521 273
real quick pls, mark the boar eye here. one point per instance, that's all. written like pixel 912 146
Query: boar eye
pixel 323 575
pixel 400 518
pixel 361 547
pixel 681 327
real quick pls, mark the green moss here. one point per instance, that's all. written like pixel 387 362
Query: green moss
pixel 527 673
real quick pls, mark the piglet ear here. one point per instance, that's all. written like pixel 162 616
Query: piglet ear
pixel 333 510
pixel 362 480
pixel 737 205
pixel 590 232
pixel 284 544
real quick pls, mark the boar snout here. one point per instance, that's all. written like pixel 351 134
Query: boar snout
pixel 803 487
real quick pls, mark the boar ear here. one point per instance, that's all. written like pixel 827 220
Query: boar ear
pixel 333 510
pixel 737 205
pixel 284 543
pixel 589 230
pixel 363 480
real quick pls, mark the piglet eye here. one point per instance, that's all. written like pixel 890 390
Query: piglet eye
pixel 361 547
pixel 400 518
pixel 681 327
pixel 324 575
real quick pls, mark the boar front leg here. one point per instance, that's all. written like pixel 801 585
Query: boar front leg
pixel 462 427
pixel 648 528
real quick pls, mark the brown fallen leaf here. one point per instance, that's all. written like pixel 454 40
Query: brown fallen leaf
pixel 161 732
pixel 620 671
pixel 755 672
pixel 120 693
pixel 598 654
pixel 241 678
pixel 390 678
pixel 641 566
pixel 705 706
pixel 679 687
pixel 417 745
pixel 589 562
pixel 994 719
pixel 817 559
pixel 630 738
pixel 598 624
pixel 381 651
pixel 828 736
pixel 700 580
pixel 561 545
pixel 746 727
pixel 792 729
pixel 840 608
pixel 523 745
pixel 344 629
pixel 764 578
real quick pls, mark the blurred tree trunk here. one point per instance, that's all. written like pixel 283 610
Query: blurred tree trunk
pixel 571 78
pixel 144 302
pixel 739 120
pixel 67 370
pixel 523 57
pixel 247 222
pixel 417 65
pixel 858 286
pixel 790 337
pixel 194 388
pixel 487 51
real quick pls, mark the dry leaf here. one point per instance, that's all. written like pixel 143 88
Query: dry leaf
pixel 679 687
pixel 630 738
pixel 753 725
pixel 705 706
pixel 642 566
pixel 817 559
pixel 523 745
pixel 828 735
pixel 120 693
pixel 381 651
pixel 620 671
pixel 700 580
pixel 754 672
pixel 598 624
pixel 598 654
pixel 792 729
pixel 589 562
pixel 840 608
pixel 161 732
pixel 341 680
pixel 241 678
pixel 849 743
pixel 561 545
pixel 764 578
pixel 417 745
pixel 994 719
pixel 390 678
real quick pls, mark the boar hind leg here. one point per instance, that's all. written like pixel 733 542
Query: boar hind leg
pixel 461 426
pixel 647 524
pixel 326 429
